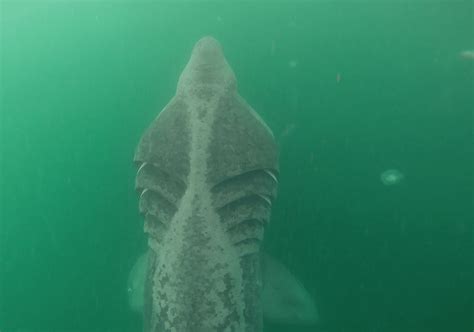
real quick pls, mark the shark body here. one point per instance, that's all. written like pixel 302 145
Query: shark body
pixel 284 298
pixel 207 176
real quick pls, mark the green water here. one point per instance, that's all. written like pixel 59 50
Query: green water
pixel 350 89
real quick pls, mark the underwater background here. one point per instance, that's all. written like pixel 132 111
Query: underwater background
pixel 350 89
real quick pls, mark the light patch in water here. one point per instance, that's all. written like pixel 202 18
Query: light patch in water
pixel 467 54
pixel 293 63
pixel 391 177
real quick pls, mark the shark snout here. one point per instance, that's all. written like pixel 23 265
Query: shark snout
pixel 207 52
pixel 207 67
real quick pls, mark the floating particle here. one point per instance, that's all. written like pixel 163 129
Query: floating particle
pixel 293 63
pixel 391 177
pixel 272 48
pixel 288 130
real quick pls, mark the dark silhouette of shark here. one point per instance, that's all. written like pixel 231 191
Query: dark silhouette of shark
pixel 207 176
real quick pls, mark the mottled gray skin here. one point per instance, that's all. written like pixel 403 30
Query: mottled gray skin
pixel 207 176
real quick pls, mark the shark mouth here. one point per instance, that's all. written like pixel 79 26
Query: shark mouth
pixel 207 177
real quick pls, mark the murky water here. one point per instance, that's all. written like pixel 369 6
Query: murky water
pixel 350 89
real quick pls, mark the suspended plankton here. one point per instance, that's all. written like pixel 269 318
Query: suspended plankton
pixel 391 177
pixel 293 63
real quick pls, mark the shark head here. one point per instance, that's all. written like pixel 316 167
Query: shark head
pixel 207 176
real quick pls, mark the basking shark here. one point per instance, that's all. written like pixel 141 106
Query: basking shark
pixel 207 177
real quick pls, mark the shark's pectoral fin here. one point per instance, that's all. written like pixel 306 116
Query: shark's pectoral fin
pixel 284 298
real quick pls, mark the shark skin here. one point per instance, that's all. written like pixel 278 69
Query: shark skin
pixel 207 176
pixel 284 298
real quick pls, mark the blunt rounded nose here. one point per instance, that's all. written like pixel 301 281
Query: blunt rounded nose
pixel 207 51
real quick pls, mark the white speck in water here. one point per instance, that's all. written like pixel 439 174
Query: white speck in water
pixel 391 177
